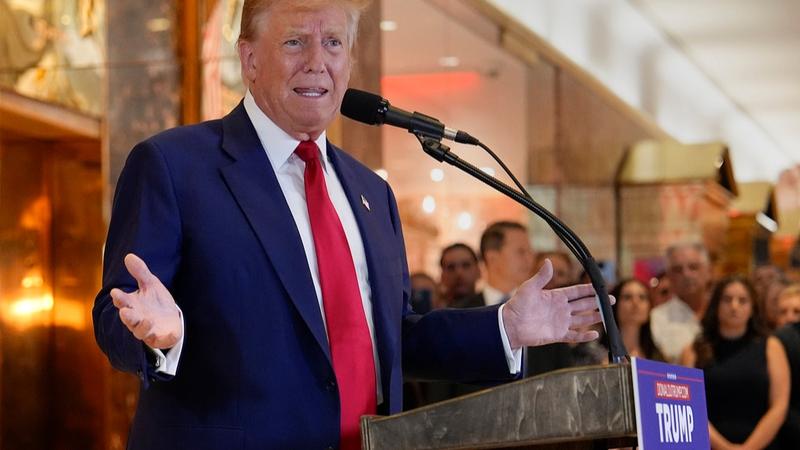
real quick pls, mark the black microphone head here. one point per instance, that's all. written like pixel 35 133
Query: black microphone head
pixel 364 106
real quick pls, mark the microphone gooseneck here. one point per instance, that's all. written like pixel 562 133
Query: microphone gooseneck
pixel 373 109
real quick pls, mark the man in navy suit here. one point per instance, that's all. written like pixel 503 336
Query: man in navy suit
pixel 508 258
pixel 232 241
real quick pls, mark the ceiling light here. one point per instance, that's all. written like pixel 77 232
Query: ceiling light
pixel 429 204
pixel 388 25
pixel 449 61
pixel 464 221
pixel 437 175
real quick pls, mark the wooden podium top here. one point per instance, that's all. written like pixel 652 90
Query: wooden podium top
pixel 586 407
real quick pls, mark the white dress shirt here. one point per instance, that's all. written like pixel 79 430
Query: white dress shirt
pixel 289 170
pixel 493 296
pixel 674 326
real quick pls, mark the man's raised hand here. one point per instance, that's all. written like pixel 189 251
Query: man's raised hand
pixel 534 316
pixel 150 312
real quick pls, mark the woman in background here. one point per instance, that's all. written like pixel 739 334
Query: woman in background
pixel 632 311
pixel 746 373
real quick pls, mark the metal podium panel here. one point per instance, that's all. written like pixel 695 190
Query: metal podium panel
pixel 583 407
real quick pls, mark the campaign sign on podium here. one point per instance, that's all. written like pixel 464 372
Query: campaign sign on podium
pixel 670 406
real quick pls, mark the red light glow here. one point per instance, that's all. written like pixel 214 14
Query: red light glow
pixel 429 83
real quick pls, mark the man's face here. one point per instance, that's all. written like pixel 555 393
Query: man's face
pixel 298 66
pixel 688 273
pixel 514 260
pixel 460 272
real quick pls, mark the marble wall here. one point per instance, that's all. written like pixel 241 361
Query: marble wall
pixel 578 136
pixel 144 85
pixel 143 75
pixel 657 216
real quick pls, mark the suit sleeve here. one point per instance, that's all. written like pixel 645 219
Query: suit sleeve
pixel 461 345
pixel 145 220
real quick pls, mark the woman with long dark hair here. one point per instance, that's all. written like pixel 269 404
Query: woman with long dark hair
pixel 632 311
pixel 746 372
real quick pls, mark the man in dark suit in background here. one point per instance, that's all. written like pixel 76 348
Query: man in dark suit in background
pixel 460 273
pixel 508 259
pixel 255 275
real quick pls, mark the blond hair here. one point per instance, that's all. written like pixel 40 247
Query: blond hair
pixel 793 290
pixel 255 11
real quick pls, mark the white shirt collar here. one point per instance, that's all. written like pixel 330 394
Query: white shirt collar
pixel 676 303
pixel 278 144
pixel 493 296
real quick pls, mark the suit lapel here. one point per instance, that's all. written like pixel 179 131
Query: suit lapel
pixel 384 318
pixel 254 185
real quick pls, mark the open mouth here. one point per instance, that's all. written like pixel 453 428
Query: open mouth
pixel 311 92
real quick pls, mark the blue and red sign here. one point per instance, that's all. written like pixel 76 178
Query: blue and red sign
pixel 670 406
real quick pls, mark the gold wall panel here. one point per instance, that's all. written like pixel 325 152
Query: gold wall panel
pixel 25 297
pixel 53 379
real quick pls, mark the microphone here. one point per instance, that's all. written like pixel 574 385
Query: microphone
pixel 373 109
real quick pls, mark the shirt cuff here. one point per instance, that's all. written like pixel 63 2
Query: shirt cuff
pixel 513 357
pixel 167 362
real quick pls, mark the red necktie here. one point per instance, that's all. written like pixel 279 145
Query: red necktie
pixel 348 333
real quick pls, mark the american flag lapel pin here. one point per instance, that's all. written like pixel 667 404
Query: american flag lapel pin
pixel 365 202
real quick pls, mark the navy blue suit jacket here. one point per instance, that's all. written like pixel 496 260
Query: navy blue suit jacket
pixel 202 206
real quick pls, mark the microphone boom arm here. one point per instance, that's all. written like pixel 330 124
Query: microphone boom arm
pixel 617 352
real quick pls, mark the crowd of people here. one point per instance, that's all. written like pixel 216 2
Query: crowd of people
pixel 742 330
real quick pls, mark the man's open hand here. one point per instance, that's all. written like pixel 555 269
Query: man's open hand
pixel 149 312
pixel 534 316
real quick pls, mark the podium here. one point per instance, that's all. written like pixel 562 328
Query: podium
pixel 578 408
